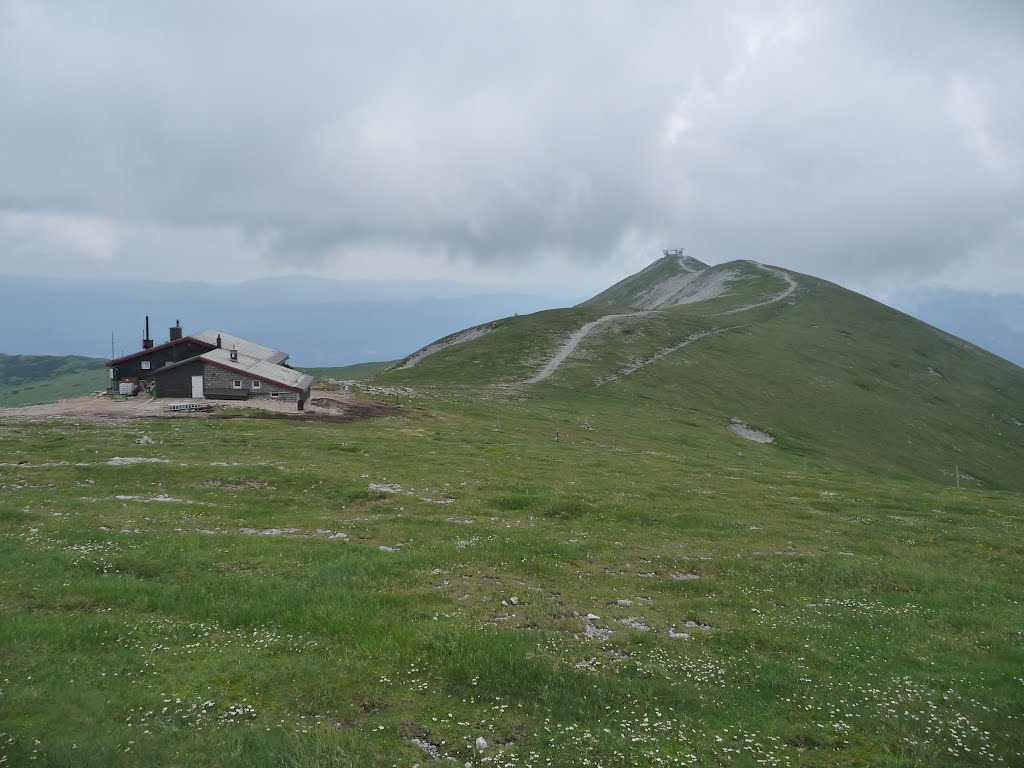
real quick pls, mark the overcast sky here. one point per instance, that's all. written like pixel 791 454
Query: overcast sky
pixel 871 142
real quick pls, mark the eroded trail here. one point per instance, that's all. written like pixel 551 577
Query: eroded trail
pixel 574 341
pixel 451 341
pixel 634 367
pixel 790 287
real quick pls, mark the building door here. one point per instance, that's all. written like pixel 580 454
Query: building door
pixel 197 386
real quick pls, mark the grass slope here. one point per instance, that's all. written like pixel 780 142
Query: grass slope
pixel 757 609
pixel 31 379
pixel 349 372
pixel 829 373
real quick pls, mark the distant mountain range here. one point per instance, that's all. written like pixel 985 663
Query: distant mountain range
pixel 338 322
pixel 318 322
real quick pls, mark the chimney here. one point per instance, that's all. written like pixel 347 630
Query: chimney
pixel 147 343
pixel 234 355
pixel 176 330
pixel 218 341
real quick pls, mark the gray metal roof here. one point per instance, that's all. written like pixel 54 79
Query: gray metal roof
pixel 259 369
pixel 244 346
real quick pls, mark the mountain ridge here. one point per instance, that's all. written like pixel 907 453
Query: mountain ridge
pixel 823 369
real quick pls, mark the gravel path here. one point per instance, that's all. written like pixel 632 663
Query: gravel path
pixel 574 341
pixel 790 287
pixel 634 367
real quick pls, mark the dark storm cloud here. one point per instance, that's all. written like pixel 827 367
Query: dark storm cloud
pixel 864 141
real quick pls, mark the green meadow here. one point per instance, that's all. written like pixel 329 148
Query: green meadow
pixel 267 592
pixel 592 570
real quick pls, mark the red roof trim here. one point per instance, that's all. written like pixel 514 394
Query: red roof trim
pixel 165 345
pixel 252 376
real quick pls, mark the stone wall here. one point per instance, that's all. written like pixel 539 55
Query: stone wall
pixel 216 379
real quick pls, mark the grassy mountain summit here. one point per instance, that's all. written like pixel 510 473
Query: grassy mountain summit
pixel 680 348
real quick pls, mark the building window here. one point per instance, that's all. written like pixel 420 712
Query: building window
pixel 237 384
pixel 275 394
pixel 146 365
pixel 255 384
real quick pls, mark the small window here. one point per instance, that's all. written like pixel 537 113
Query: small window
pixel 237 384
pixel 275 394
pixel 255 384
pixel 146 365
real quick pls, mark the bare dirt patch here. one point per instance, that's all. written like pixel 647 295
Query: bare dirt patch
pixel 322 406
pixel 749 433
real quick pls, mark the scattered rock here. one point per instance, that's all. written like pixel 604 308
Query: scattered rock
pixel 120 461
pixel 161 498
pixel 145 440
pixel 270 531
pixel 386 487
pixel 624 603
pixel 592 617
pixel 514 600
pixel 698 625
pixel 678 635
pixel 596 633
pixel 684 576
pixel 634 623
pixel 341 536
pixel 481 743
pixel 386 548
pixel 431 751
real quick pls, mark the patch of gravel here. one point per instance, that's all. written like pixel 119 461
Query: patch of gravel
pixel 688 288
pixel 161 499
pixel 749 433
pixel 634 623
pixel 269 531
pixel 596 633
pixel 120 461
pixel 431 751
pixel 386 487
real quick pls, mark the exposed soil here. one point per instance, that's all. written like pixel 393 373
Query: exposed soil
pixel 332 407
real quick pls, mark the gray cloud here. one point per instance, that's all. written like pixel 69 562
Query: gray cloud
pixel 867 142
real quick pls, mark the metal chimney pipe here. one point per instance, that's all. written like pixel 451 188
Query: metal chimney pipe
pixel 147 343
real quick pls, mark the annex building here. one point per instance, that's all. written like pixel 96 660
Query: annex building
pixel 211 365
